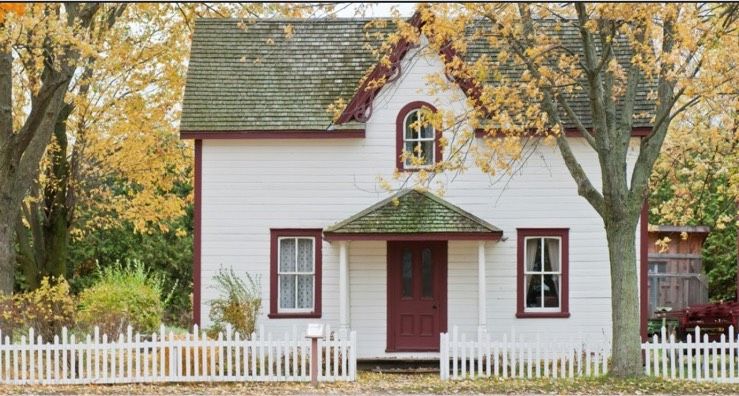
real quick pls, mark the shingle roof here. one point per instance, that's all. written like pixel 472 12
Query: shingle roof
pixel 255 79
pixel 411 211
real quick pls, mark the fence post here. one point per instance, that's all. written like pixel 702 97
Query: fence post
pixel 443 359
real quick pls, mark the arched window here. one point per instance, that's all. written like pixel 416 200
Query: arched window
pixel 417 140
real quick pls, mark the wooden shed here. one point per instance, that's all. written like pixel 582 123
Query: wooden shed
pixel 676 276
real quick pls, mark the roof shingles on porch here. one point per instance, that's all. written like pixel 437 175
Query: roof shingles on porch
pixel 413 212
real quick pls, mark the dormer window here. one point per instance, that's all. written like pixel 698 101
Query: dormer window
pixel 417 139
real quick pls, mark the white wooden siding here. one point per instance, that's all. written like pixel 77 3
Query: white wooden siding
pixel 250 186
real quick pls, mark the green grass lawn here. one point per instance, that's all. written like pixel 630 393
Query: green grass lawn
pixel 373 383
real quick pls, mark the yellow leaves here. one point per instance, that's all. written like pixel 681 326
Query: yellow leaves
pixel 10 9
pixel 289 31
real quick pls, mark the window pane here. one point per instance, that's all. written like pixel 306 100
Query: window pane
pixel 533 259
pixel 409 152
pixel 407 273
pixel 551 291
pixel 305 255
pixel 410 131
pixel 533 291
pixel 551 254
pixel 287 255
pixel 305 291
pixel 427 131
pixel 287 291
pixel 427 277
pixel 427 151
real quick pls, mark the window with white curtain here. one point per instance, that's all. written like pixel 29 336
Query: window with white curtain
pixel 296 274
pixel 543 274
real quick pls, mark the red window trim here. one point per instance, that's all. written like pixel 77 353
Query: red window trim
pixel 276 233
pixel 399 134
pixel 563 233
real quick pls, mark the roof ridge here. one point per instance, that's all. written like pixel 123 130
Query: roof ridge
pixel 302 20
pixel 367 210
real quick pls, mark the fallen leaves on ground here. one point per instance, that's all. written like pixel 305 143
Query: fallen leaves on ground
pixel 374 383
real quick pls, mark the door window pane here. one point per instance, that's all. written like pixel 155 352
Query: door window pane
pixel 407 272
pixel 427 276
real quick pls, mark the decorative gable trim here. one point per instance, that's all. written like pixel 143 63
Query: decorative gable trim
pixel 360 106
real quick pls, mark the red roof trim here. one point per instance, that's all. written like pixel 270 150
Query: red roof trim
pixel 276 134
pixel 360 106
pixel 196 237
pixel 420 236
pixel 574 132
pixel 564 234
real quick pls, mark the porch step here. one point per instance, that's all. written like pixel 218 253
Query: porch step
pixel 399 366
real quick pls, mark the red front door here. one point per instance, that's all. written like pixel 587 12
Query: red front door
pixel 416 289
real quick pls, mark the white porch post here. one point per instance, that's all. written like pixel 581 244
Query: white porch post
pixel 481 287
pixel 344 285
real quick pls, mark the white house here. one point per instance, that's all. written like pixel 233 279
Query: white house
pixel 284 193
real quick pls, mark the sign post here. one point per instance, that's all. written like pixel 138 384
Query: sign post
pixel 314 332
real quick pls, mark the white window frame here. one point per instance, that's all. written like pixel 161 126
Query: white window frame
pixel 296 272
pixel 418 140
pixel 526 272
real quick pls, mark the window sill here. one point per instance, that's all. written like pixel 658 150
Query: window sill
pixel 535 315
pixel 294 315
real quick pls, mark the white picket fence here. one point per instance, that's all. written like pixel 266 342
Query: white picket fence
pixel 516 357
pixel 695 358
pixel 168 358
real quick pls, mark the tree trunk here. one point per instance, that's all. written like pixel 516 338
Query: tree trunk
pixel 621 235
pixel 7 246
pixel 56 229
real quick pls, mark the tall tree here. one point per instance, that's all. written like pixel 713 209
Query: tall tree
pixel 45 41
pixel 115 154
pixel 686 51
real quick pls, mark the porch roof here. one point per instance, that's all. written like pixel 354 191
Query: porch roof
pixel 410 215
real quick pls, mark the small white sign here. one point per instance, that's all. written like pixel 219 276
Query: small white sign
pixel 314 330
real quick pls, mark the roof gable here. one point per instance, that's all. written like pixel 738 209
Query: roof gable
pixel 411 212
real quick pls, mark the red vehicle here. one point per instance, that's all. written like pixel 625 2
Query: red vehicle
pixel 714 319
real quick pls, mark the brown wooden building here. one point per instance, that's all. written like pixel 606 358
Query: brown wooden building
pixel 676 276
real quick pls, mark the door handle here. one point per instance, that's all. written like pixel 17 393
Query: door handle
pixel 434 306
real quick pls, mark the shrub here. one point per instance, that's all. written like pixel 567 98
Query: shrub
pixel 238 305
pixel 123 295
pixel 46 309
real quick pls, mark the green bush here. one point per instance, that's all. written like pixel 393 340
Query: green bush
pixel 238 305
pixel 46 309
pixel 123 295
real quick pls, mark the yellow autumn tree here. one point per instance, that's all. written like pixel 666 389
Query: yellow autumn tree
pixel 520 93
pixel 109 154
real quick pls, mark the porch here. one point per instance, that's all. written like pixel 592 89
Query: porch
pixel 408 268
